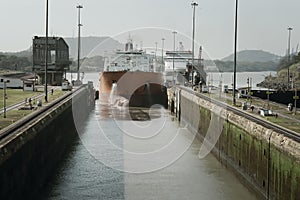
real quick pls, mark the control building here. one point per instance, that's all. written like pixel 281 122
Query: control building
pixel 58 59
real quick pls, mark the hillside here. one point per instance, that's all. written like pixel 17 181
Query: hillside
pixel 89 64
pixel 279 82
pixel 26 53
pixel 92 46
pixel 253 56
pixel 14 62
pixel 92 51
pixel 227 66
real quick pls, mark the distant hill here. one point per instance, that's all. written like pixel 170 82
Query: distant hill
pixel 14 62
pixel 89 64
pixel 247 61
pixel 253 56
pixel 227 66
pixel 92 46
pixel 25 53
pixel 92 50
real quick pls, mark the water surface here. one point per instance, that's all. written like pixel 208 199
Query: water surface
pixel 95 169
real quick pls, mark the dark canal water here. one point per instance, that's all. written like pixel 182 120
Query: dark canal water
pixel 152 157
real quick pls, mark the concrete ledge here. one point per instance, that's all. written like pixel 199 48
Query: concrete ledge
pixel 263 158
pixel 30 155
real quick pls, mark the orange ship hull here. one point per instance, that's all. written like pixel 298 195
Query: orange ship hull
pixel 142 89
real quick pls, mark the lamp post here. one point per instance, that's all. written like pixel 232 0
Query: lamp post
pixel 4 99
pixel 46 53
pixel 194 4
pixel 162 49
pixel 155 50
pixel 155 59
pixel 4 96
pixel 248 88
pixel 235 48
pixel 174 33
pixel 79 44
pixel 250 91
pixel 289 52
pixel 296 97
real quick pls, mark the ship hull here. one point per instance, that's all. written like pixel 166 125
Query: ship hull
pixel 141 89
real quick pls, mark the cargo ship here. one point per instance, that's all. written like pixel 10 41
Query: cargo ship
pixel 130 75
pixel 178 67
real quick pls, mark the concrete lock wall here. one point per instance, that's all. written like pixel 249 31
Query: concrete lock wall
pixel 28 160
pixel 267 162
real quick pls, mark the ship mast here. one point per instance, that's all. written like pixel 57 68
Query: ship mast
pixel 200 56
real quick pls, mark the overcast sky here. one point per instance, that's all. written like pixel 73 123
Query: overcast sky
pixel 262 23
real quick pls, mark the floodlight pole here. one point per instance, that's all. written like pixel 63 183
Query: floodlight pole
pixel 173 79
pixel 235 49
pixel 296 96
pixel 79 44
pixel 155 50
pixel 289 57
pixel 194 4
pixel 162 49
pixel 4 98
pixel 46 53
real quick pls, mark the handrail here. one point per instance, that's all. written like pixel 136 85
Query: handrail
pixel 20 123
pixel 279 129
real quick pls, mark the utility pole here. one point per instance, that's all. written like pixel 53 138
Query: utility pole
pixel 251 93
pixel 248 88
pixel 289 54
pixel 173 81
pixel 79 44
pixel 155 50
pixel 4 96
pixel 194 4
pixel 220 86
pixel 4 99
pixel 296 97
pixel 46 54
pixel 162 50
pixel 235 49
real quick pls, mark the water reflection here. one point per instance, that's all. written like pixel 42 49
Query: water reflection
pixel 84 176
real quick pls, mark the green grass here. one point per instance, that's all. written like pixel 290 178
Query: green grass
pixel 281 121
pixel 18 95
pixel 56 94
pixel 15 96
pixel 13 116
pixel 284 122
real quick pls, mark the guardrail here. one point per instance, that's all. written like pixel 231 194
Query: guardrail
pixel 279 129
pixel 4 133
pixel 13 106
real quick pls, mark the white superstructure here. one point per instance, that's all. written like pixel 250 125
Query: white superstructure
pixel 179 66
pixel 178 59
pixel 129 60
